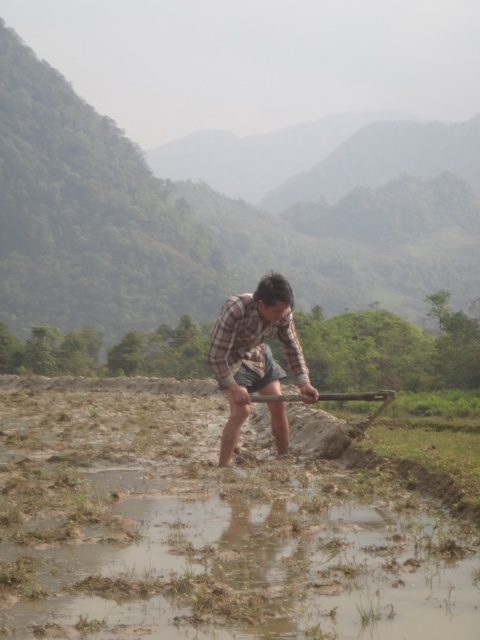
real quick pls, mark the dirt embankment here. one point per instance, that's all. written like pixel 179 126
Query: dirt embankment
pixel 135 384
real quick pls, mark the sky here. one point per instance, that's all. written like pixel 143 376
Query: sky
pixel 163 69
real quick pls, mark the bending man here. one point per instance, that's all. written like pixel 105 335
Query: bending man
pixel 242 363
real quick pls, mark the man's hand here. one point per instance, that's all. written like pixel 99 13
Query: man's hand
pixel 309 391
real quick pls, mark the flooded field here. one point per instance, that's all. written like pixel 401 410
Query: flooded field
pixel 115 522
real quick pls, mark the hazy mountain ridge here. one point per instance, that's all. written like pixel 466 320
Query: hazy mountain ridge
pixel 382 151
pixel 250 167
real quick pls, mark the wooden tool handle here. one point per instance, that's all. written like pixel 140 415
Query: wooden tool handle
pixel 298 397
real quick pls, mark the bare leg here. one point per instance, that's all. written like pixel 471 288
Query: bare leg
pixel 231 431
pixel 278 415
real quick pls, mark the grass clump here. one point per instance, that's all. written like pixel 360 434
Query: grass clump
pixel 86 626
pixel 18 577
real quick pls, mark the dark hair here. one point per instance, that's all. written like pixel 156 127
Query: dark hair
pixel 272 288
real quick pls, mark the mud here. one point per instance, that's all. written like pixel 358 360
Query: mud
pixel 313 433
pixel 115 522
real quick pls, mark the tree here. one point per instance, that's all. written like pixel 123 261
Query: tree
pixel 457 355
pixel 41 350
pixel 78 353
pixel 187 332
pixel 159 359
pixel 11 350
pixel 317 313
pixel 312 334
pixel 92 339
pixel 457 347
pixel 440 308
pixel 127 356
pixel 190 350
pixel 474 309
pixel 377 349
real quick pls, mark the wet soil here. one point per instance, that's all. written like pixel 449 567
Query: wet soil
pixel 115 521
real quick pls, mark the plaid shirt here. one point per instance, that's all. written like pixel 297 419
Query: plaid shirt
pixel 237 337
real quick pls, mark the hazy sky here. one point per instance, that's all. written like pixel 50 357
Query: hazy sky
pixel 164 68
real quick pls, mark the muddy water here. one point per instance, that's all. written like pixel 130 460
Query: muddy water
pixel 322 564
pixel 431 598
pixel 351 571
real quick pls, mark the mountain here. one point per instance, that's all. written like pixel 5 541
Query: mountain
pixel 250 167
pixel 87 235
pixel 399 212
pixel 381 151
pixel 391 246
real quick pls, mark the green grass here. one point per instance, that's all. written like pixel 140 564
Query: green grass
pixel 447 452
pixel 450 410
pixel 455 452
pixel 438 430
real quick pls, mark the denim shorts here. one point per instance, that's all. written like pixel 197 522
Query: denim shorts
pixel 253 381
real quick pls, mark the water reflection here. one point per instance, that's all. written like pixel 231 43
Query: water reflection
pixel 277 551
pixel 257 550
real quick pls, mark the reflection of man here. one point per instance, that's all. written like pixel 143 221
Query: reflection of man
pixel 257 543
pixel 241 527
pixel 252 554
pixel 242 363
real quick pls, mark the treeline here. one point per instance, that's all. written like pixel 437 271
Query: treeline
pixel 358 350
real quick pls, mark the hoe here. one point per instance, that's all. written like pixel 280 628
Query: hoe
pixel 386 397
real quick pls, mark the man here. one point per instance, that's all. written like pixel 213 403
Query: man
pixel 242 363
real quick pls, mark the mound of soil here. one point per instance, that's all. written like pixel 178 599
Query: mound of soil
pixel 313 433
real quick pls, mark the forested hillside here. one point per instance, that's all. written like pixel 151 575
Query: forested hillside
pixel 90 238
pixel 87 234
pixel 387 247
pixel 400 211
pixel 382 151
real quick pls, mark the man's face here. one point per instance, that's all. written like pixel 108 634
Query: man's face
pixel 274 313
